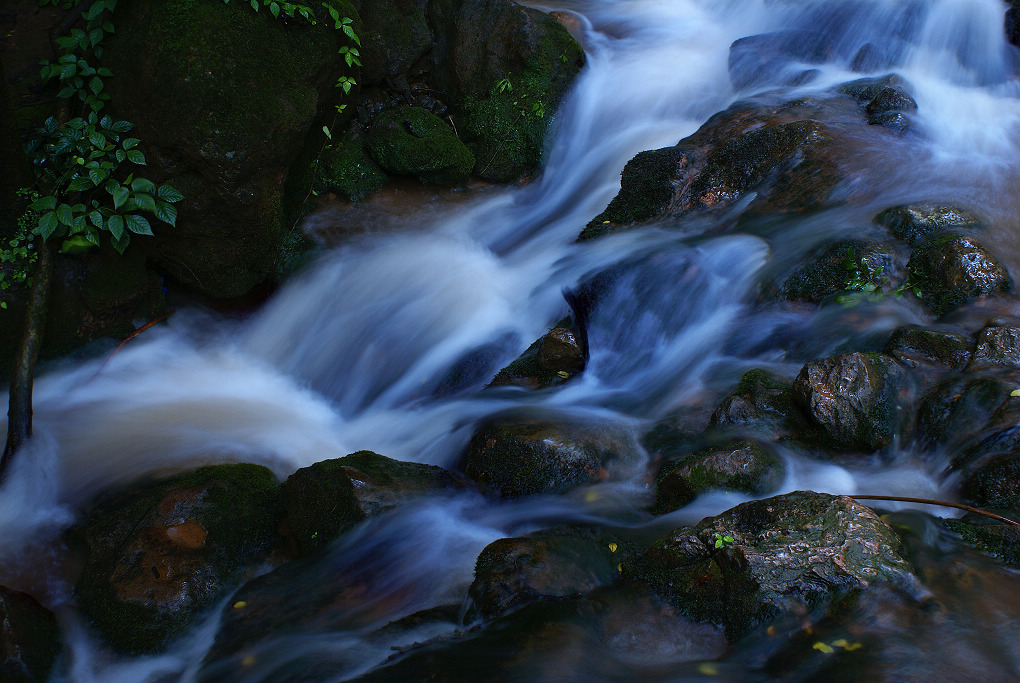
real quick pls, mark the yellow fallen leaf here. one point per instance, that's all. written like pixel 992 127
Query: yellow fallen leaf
pixel 619 567
pixel 239 604
pixel 563 373
pixel 822 647
pixel 1015 392
pixel 708 669
pixel 613 547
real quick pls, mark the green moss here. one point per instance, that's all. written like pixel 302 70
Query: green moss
pixel 989 536
pixel 506 128
pixel 413 141
pixel 321 504
pixel 348 170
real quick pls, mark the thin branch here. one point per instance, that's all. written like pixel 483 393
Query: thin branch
pixel 943 503
pixel 131 336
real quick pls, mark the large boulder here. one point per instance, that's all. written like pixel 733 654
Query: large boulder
pixel 858 400
pixel 952 270
pixel 413 141
pixel 765 558
pixel 519 455
pixel 224 99
pixel 29 638
pixel 329 497
pixel 780 154
pixel 159 554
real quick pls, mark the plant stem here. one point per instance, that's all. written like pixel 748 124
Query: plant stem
pixel 926 501
pixel 19 412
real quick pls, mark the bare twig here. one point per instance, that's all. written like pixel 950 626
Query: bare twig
pixel 943 503
pixel 131 336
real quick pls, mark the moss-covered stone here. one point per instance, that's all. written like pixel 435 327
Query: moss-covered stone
pixel 915 345
pixel 914 223
pixel 960 407
pixel 160 553
pixel 29 638
pixel 847 265
pixel 347 169
pixel 765 558
pixel 224 99
pixel 989 536
pixel 743 466
pixel 413 141
pixel 551 360
pixel 995 484
pixel 762 403
pixel 952 270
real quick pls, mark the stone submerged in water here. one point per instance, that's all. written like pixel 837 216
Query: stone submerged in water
pixel 744 466
pixel 914 223
pixel 995 484
pixel 858 400
pixel 847 265
pixel 762 559
pixel 519 455
pixel 29 638
pixel 329 497
pixel 552 360
pixel 763 403
pixel 159 554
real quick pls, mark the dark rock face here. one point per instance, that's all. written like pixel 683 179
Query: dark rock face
pixel 743 466
pixel 223 99
pixel 855 399
pixel 787 553
pixel 774 58
pixel 551 360
pixel 915 223
pixel 996 346
pixel 329 497
pixel 996 483
pixel 412 141
pixel 960 407
pixel 159 554
pixel 347 169
pixel 779 153
pixel 550 564
pixel 29 638
pixel 519 456
pixel 952 270
pixel 842 266
pixel 885 98
pixel 914 346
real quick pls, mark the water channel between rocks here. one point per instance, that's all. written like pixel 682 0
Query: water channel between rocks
pixel 356 352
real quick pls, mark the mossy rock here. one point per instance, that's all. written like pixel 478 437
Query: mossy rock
pixel 952 270
pixel 995 484
pixel 326 499
pixel 414 141
pixel 916 345
pixel 30 640
pixel 224 99
pixel 158 554
pixel 989 536
pixel 847 265
pixel 743 466
pixel 782 555
pixel 347 169
pixel 960 407
pixel 547 565
pixel 761 403
pixel 996 346
pixel 551 360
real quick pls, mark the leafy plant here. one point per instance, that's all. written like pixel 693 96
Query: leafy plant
pixel 721 540
pixel 866 283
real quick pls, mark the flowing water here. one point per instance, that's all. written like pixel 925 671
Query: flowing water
pixel 356 352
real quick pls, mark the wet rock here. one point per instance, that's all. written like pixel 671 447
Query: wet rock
pixel 952 270
pixel 29 638
pixel 1012 26
pixel 413 141
pixel 551 360
pixel 887 105
pixel 988 535
pixel 160 553
pixel 847 265
pixel 329 497
pixel 995 484
pixel 763 403
pixel 787 554
pixel 961 407
pixel 744 466
pixel 552 564
pixel 916 346
pixel 914 223
pixel 885 98
pixel 774 58
pixel 856 399
pixel 524 455
pixel 347 169
pixel 780 154
pixel 996 346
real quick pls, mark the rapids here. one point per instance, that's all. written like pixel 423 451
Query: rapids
pixel 357 350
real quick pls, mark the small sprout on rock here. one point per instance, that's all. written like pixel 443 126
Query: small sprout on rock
pixel 721 540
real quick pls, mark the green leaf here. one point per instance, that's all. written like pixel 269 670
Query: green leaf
pixel 96 85
pixel 130 143
pixel 143 185
pixel 96 218
pixel 136 157
pixel 79 244
pixel 44 204
pixel 64 214
pixel 275 9
pixel 97 139
pixel 121 126
pixel 116 226
pixel 137 224
pixel 169 194
pixel 166 212
pixel 121 155
pixel 146 202
pixel 48 224
pixel 121 243
pixel 120 195
pixel 98 175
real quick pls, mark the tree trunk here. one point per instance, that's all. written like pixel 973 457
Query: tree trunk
pixel 19 412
